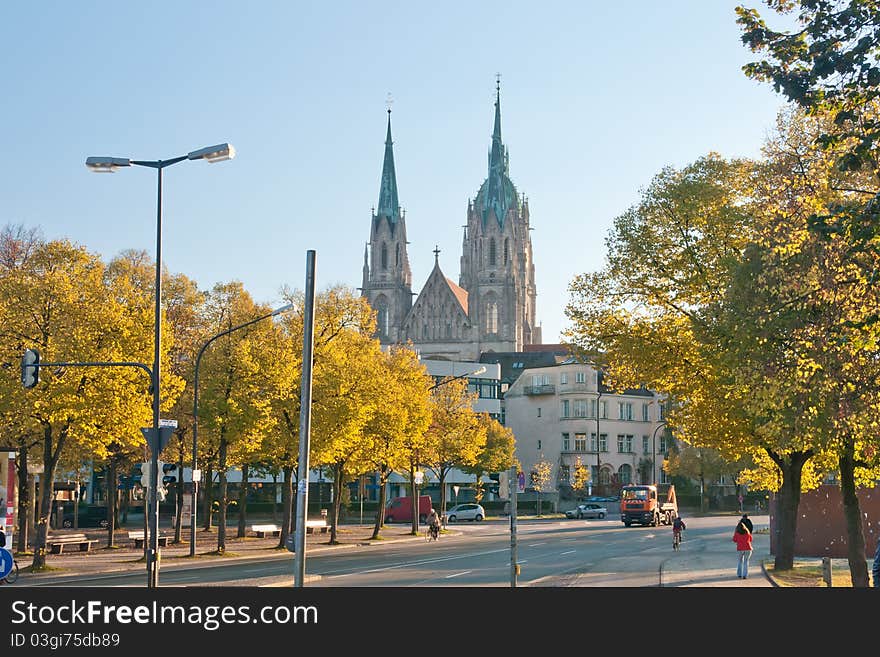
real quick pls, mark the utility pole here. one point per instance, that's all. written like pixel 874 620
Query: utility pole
pixel 514 565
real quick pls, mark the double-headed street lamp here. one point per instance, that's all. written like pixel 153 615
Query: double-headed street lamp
pixel 196 475
pixel 102 164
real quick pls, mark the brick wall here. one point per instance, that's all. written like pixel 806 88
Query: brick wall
pixel 821 528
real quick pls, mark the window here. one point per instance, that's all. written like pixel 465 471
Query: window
pixel 492 317
pixel 563 378
pixel 565 408
pixel 662 414
pixel 646 447
pixel 580 408
pixel 540 380
pixel 646 414
pixel 566 443
pixel 624 411
pixel 624 443
pixel 624 474
pixel 661 447
pixel 592 408
pixel 603 410
pixel 580 442
pixel 384 257
pixel 603 442
pixel 580 377
pixel 564 474
pixel 492 251
pixel 506 249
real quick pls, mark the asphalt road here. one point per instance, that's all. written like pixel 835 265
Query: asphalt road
pixel 550 553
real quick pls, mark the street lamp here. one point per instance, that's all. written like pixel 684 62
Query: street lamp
pixel 103 164
pixel 196 474
pixel 654 455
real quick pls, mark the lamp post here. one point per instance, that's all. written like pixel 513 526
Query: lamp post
pixel 196 474
pixel 654 448
pixel 598 443
pixel 103 164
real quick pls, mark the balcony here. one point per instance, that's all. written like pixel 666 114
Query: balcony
pixel 548 389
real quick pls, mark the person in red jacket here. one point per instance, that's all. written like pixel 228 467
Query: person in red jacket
pixel 743 539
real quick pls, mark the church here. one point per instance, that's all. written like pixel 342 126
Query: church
pixel 492 307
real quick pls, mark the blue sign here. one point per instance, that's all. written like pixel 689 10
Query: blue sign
pixel 5 562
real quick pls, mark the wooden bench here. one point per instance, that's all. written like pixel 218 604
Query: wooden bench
pixel 266 530
pixel 55 544
pixel 317 525
pixel 138 538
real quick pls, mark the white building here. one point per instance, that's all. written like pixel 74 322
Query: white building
pixel 563 414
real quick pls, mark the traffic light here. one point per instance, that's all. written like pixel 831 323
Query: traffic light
pixel 145 474
pixel 169 472
pixel 30 368
pixel 495 484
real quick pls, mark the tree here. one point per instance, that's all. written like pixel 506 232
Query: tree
pixel 60 302
pixel 455 436
pixel 496 455
pixel 541 473
pixel 400 409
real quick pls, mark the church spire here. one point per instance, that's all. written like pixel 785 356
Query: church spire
pixel 496 197
pixel 389 207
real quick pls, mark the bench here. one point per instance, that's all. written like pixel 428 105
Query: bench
pixel 55 544
pixel 266 530
pixel 138 538
pixel 319 525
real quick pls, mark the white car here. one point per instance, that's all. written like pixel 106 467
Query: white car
pixel 473 512
pixel 588 510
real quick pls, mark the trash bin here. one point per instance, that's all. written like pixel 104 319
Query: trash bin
pixel 291 542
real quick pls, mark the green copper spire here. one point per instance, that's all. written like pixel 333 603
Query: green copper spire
pixel 389 207
pixel 498 192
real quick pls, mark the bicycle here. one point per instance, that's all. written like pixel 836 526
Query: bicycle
pixel 676 540
pixel 432 534
pixel 12 575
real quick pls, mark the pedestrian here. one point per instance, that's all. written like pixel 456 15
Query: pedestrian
pixel 743 539
pixel 747 522
pixel 876 568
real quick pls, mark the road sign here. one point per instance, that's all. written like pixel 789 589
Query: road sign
pixel 168 423
pixel 156 441
pixel 5 562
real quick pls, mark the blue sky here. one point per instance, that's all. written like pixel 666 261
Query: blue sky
pixel 596 98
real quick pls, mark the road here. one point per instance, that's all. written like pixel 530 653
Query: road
pixel 550 553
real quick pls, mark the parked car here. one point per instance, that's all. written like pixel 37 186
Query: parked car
pixel 473 512
pixel 89 516
pixel 587 510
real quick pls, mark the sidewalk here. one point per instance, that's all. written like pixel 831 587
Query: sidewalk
pixel 125 558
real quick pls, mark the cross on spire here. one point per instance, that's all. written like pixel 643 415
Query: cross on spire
pixel 436 254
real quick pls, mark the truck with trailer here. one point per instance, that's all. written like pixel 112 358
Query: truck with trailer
pixel 648 504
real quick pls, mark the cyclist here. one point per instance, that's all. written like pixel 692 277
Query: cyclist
pixel 678 526
pixel 434 523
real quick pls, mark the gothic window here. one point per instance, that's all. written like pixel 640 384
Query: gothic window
pixel 449 330
pixel 397 256
pixel 492 252
pixel 384 257
pixel 506 250
pixel 382 323
pixel 492 316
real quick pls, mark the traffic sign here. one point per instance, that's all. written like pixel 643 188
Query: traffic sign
pixel 5 562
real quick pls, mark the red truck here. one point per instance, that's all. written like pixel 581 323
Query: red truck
pixel 399 509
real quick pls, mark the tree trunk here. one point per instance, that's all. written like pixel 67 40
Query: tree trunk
pixel 286 505
pixel 788 499
pixel 242 500
pixel 178 498
pixel 222 495
pixel 855 537
pixel 337 503
pixel 208 497
pixel 112 488
pixel 25 502
pixel 47 491
pixel 380 512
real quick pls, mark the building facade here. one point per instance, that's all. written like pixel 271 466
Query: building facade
pixel 492 307
pixel 564 415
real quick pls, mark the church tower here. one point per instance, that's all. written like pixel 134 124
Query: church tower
pixel 497 268
pixel 387 279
